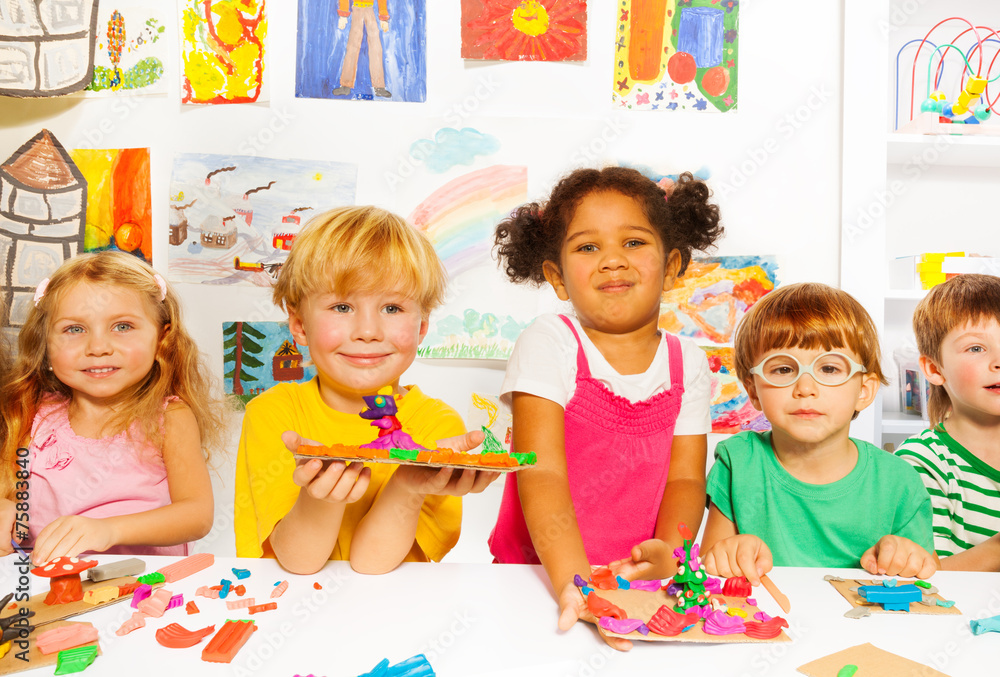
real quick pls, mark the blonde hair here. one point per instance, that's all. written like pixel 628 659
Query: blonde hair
pixel 360 249
pixel 807 315
pixel 964 299
pixel 177 369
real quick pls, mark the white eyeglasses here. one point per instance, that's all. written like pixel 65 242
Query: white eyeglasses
pixel 829 369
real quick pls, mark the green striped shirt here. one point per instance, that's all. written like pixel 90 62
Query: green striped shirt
pixel 964 490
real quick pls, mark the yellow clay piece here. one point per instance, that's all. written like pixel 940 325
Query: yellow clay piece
pixel 101 595
pixel 734 611
pixel 4 648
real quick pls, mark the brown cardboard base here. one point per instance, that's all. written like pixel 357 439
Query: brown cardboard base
pixel 401 461
pixel 11 663
pixel 915 607
pixel 870 661
pixel 45 613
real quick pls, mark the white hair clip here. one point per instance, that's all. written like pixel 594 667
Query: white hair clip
pixel 40 291
pixel 162 284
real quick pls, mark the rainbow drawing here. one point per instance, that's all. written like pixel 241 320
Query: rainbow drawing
pixel 731 410
pixel 459 217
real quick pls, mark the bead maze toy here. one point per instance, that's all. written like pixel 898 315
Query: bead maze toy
pixel 952 103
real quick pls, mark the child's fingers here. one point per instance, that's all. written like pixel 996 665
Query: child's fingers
pixel 709 562
pixel 746 562
pixel 293 441
pixel 886 554
pixel 305 473
pixel 360 486
pixel 346 483
pixel 484 478
pixel 617 643
pixel 928 566
pixel 868 561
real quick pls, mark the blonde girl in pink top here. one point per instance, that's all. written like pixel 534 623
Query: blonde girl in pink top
pixel 107 410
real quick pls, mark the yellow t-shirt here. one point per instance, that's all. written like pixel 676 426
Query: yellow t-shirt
pixel 264 489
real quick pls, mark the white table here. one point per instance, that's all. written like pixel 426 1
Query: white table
pixel 480 619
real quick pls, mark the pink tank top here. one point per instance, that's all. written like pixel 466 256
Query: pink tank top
pixel 617 457
pixel 73 475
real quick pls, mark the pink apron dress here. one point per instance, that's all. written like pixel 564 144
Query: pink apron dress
pixel 617 457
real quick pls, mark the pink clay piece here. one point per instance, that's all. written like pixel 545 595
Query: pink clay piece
pixel 66 637
pixel 241 603
pixel 206 591
pixel 651 586
pixel 620 627
pixel 156 603
pixel 187 566
pixel 279 590
pixel 138 620
pixel 721 623
pixel 175 601
pixel 141 593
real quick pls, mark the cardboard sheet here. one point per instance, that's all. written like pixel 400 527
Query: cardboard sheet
pixel 402 461
pixel 10 663
pixel 45 613
pixel 915 607
pixel 870 661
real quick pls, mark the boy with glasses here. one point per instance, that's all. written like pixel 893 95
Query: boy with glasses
pixel 806 493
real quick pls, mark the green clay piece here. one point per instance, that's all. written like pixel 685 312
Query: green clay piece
pixel 152 579
pixel 404 454
pixel 922 584
pixel 529 458
pixel 946 603
pixel 75 660
pixel 847 671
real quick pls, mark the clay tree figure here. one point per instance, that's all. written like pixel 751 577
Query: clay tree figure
pixel 15 625
pixel 65 586
pixel 691 574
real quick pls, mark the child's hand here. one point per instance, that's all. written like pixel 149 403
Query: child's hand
pixel 443 481
pixel 652 559
pixel 466 442
pixel 573 607
pixel 69 535
pixel 898 556
pixel 339 483
pixel 740 555
pixel 8 515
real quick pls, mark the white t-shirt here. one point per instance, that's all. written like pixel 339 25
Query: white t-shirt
pixel 543 363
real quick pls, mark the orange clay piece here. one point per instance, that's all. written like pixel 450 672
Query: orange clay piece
pixel 603 579
pixel 442 456
pixel 208 592
pixel 601 607
pixel 258 608
pixel 65 585
pixel 12 606
pixel 240 590
pixel 176 636
pixel 423 457
pixel 317 586
pixel 128 588
pixel 228 641
pixel 380 453
pixel 187 566
pixel 191 608
pixel 66 637
pixel 137 620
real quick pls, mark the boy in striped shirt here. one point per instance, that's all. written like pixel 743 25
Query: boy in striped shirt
pixel 957 326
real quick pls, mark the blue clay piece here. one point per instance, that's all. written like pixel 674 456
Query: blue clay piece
pixel 985 625
pixel 622 583
pixel 417 666
pixel 643 630
pixel 578 581
pixel 586 590
pixel 689 627
pixel 241 573
pixel 379 670
pixel 889 583
pixel 226 585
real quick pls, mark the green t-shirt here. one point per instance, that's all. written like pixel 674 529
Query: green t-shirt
pixel 827 525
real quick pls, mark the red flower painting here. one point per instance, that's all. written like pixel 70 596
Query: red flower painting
pixel 524 30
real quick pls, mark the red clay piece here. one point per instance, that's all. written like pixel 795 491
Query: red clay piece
pixel 175 636
pixel 240 590
pixel 669 623
pixel 603 579
pixel 66 637
pixel 317 586
pixel 601 607
pixel 738 586
pixel 766 629
pixel 65 574
pixel 228 641
pixel 128 588
pixel 187 566
pixel 258 608
pixel 191 608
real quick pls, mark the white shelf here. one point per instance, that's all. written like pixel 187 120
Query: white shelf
pixel 897 423
pixel 947 150
pixel 911 295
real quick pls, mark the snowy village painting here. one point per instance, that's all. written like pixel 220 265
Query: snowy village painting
pixel 258 355
pixel 233 218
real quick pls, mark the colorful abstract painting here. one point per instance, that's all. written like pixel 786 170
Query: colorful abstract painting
pixel 119 214
pixel 715 293
pixel 131 49
pixel 524 30
pixel 362 50
pixel 46 47
pixel 483 314
pixel 222 50
pixel 233 217
pixel 486 413
pixel 258 355
pixel 677 55
pixel 731 410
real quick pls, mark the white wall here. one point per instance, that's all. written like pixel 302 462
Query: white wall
pixel 775 163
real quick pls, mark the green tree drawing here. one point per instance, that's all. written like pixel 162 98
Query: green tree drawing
pixel 240 350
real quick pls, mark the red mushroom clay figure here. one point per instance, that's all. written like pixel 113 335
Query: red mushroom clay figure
pixel 65 586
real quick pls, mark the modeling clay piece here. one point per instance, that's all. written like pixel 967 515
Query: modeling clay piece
pixel 175 636
pixel 768 629
pixel 66 637
pixel 417 666
pixel 138 620
pixel 187 566
pixel 4 648
pixel 832 578
pixel 205 591
pixel 75 660
pixel 128 588
pixel 733 611
pixel 718 623
pixel 586 590
pixel 751 601
pixel 152 579
pixel 259 608
pixel 101 595
pixel 761 616
pixel 649 586
pixel 946 603
pixel 578 581
pixel 240 590
pixel 601 607
pixel 65 574
pixel 889 583
pixel 191 608
pixel 603 579
pixel 241 573
pixel 922 584
pixel 279 589
pixel 985 625
pixel 228 641
pixel 847 671
pixel 156 604
pixel 669 623
pixel 381 412
pixel 622 583
pixel 127 567
pixel 858 612
pixel 227 585
pixel 241 603
pixel 140 593
pixel 175 601
pixel 891 598
pixel 621 627
pixel 317 586
pixel 738 586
